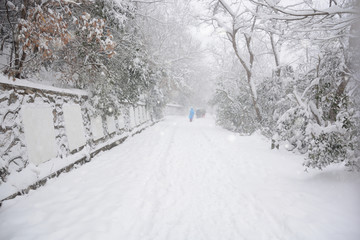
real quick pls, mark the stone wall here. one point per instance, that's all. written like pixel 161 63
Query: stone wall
pixel 37 125
pixel 13 99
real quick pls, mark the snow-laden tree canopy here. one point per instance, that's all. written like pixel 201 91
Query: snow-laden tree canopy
pixel 309 99
pixel 120 50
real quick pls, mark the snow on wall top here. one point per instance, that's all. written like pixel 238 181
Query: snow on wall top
pixel 29 84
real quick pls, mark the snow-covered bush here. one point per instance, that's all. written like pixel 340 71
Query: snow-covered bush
pixel 330 145
pixel 273 97
pixel 323 122
pixel 291 129
pixel 233 109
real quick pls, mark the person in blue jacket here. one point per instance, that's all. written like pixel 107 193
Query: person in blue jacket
pixel 191 114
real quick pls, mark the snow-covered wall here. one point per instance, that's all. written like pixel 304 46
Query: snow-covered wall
pixel 44 129
pixel 74 126
pixel 19 102
pixel 111 126
pixel 39 132
pixel 132 122
pixel 97 129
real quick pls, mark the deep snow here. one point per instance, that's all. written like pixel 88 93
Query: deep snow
pixel 181 180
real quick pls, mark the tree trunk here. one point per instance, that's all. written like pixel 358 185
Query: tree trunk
pixel 339 92
pixel 248 69
pixel 276 57
pixel 19 62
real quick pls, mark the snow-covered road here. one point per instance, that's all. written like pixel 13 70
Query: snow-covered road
pixel 195 181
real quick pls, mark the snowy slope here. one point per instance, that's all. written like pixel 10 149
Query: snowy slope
pixel 181 180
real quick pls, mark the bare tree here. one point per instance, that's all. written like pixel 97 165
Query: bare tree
pixel 240 27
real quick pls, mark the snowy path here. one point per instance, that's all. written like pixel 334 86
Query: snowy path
pixel 195 181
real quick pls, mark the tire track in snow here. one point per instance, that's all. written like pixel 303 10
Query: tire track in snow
pixel 153 190
pixel 255 208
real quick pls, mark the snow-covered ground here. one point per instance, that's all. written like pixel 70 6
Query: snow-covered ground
pixel 181 180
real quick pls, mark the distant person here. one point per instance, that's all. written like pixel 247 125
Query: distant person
pixel 200 113
pixel 191 114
